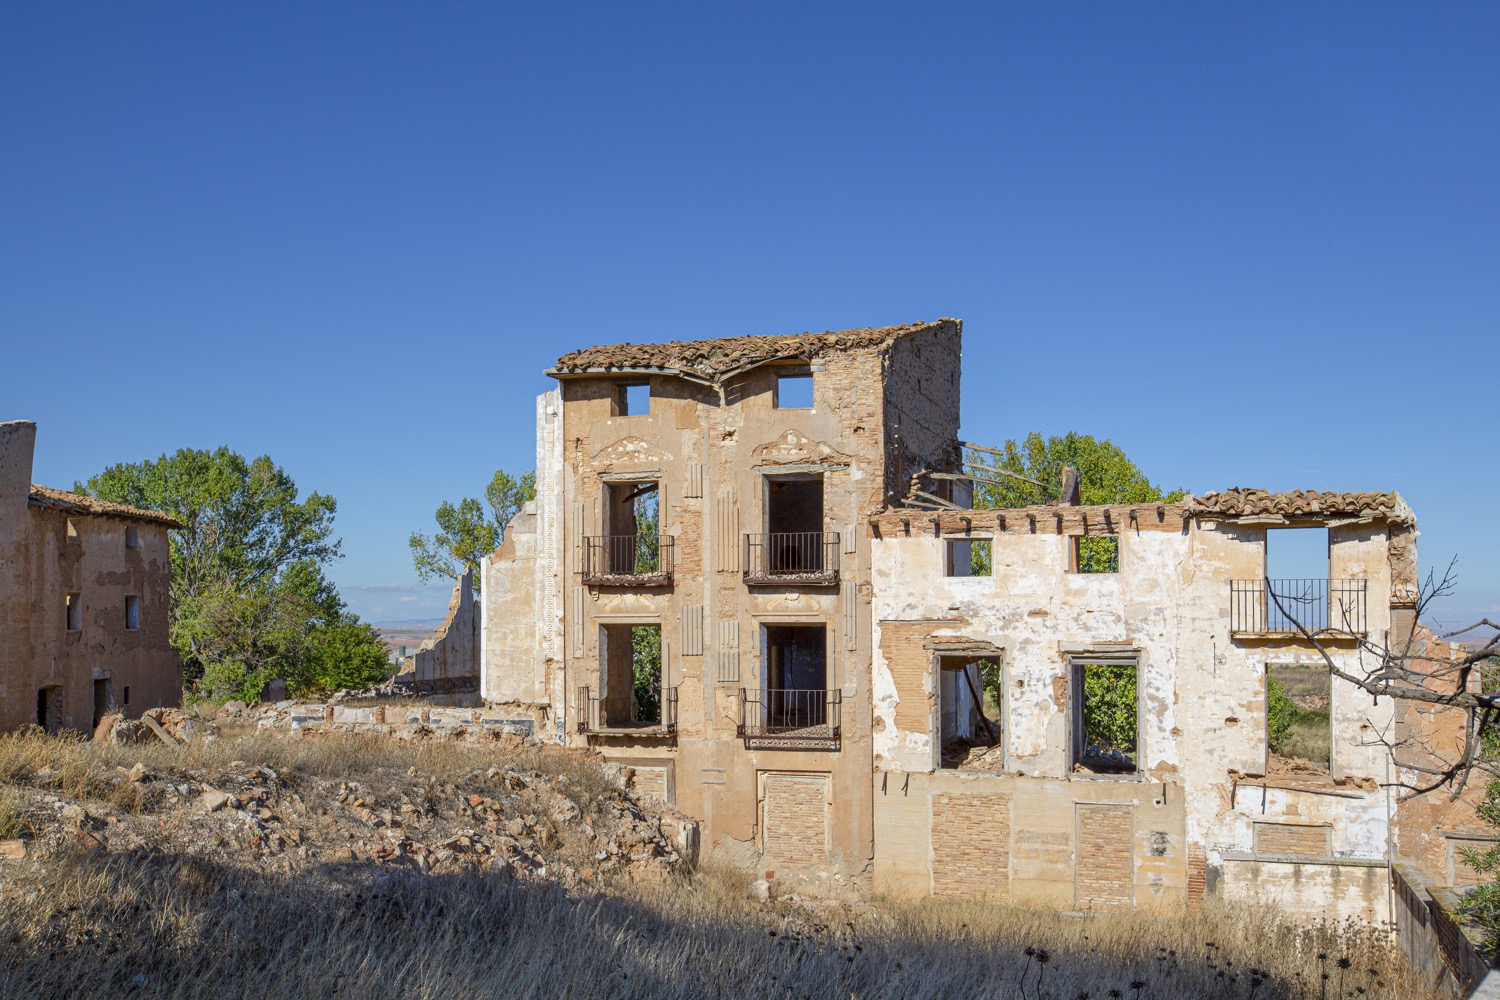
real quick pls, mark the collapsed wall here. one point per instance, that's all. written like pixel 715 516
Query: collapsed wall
pixel 520 659
pixel 450 659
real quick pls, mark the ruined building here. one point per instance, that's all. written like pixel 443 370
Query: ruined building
pixel 83 601
pixel 748 575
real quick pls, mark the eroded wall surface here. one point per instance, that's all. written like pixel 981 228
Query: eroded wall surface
pixel 1202 795
pixel 450 658
pixel 711 446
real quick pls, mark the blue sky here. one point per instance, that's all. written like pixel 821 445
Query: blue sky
pixel 1252 246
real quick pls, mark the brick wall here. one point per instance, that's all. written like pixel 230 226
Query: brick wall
pixel 650 781
pixel 901 645
pixel 1106 861
pixel 795 815
pixel 971 845
pixel 1293 840
pixel 1197 877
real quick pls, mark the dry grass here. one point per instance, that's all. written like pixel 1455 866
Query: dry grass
pixel 180 924
pixel 180 927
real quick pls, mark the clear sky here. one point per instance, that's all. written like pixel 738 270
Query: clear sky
pixel 1255 246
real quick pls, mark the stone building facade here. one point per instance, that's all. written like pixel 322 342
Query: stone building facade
pixel 84 590
pixel 865 685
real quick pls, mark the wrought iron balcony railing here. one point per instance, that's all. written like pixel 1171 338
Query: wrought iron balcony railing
pixel 808 558
pixel 639 560
pixel 1278 607
pixel 792 718
pixel 593 716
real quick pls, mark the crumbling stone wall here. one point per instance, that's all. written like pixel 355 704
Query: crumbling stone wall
pixel 450 658
pixel 1202 786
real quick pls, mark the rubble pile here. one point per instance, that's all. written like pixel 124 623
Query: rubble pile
pixel 504 816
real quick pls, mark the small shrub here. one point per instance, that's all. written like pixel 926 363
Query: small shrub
pixel 1281 714
pixel 12 814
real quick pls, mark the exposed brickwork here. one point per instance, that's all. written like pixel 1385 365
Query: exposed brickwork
pixel 650 782
pixel 910 663
pixel 1292 840
pixel 1197 877
pixel 796 819
pixel 971 845
pixel 1106 864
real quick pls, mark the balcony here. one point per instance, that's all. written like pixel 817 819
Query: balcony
pixel 1276 608
pixel 594 717
pixel 810 719
pixel 795 558
pixel 628 560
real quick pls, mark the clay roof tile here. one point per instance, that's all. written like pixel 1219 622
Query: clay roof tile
pixel 714 360
pixel 77 503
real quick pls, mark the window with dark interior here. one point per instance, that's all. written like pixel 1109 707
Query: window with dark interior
pixel 794 546
pixel 132 537
pixel 132 612
pixel 796 676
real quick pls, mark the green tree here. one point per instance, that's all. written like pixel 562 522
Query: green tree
pixel 466 532
pixel 1110 709
pixel 1106 476
pixel 645 643
pixel 249 599
pixel 1281 714
pixel 1482 903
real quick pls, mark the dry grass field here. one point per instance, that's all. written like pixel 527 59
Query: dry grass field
pixel 191 912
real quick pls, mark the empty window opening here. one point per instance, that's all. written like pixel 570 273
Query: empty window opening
pixel 969 714
pixel 794 392
pixel 1297 578
pixel 794 543
pixel 796 676
pixel 968 557
pixel 72 531
pixel 630 678
pixel 635 399
pixel 1106 717
pixel 132 537
pixel 49 708
pixel 632 526
pixel 1095 554
pixel 125 695
pixel 75 612
pixel 132 612
pixel 1299 729
pixel 104 700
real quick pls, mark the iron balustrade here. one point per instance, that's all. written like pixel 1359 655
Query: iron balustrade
pixel 1278 607
pixel 593 717
pixel 806 557
pixel 814 716
pixel 637 559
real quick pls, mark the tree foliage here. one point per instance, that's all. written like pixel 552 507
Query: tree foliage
pixel 1110 709
pixel 467 532
pixel 1106 476
pixel 1281 714
pixel 249 599
pixel 645 649
pixel 1482 903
